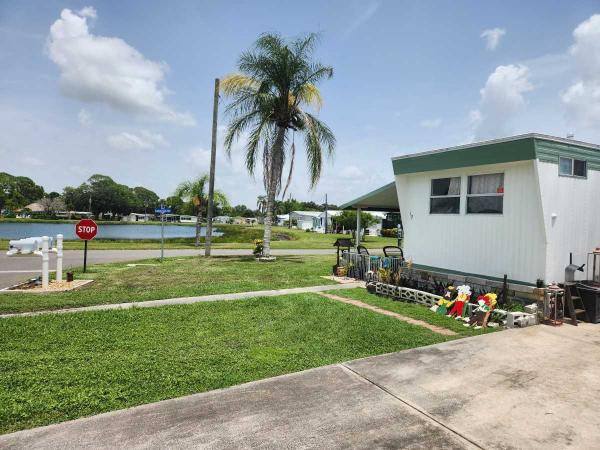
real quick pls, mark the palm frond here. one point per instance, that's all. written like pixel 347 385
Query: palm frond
pixel 235 82
pixel 309 94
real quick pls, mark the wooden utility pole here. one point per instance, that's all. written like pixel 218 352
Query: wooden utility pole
pixel 325 213
pixel 211 180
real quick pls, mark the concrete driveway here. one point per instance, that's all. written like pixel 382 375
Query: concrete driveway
pixel 19 268
pixel 533 388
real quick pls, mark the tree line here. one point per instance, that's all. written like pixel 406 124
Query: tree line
pixel 101 195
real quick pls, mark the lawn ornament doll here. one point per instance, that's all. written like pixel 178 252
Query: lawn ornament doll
pixel 481 315
pixel 460 309
pixel 447 300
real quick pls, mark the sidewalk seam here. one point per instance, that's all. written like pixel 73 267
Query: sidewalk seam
pixel 416 408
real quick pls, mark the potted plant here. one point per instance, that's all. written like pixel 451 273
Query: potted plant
pixel 341 271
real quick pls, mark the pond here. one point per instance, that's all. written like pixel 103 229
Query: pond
pixel 15 230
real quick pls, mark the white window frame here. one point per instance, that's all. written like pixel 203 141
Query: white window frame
pixel 491 194
pixel 572 174
pixel 445 196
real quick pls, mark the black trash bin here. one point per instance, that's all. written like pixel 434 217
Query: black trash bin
pixel 589 292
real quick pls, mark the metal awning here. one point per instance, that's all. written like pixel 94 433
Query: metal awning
pixel 383 199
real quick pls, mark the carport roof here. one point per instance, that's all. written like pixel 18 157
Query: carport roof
pixel 384 198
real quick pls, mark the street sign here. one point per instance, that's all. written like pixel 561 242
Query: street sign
pixel 86 229
pixel 162 211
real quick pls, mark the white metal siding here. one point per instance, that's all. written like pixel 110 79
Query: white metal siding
pixel 512 243
pixel 576 228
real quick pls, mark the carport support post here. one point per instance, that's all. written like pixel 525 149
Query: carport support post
pixel 59 257
pixel 357 228
pixel 44 262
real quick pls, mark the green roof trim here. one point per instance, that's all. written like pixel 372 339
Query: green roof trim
pixel 550 151
pixel 370 200
pixel 517 148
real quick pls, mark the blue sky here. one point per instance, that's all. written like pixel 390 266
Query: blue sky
pixel 125 88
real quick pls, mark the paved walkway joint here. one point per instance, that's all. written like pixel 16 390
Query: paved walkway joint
pixel 385 312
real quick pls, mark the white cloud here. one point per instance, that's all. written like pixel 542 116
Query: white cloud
pixel 492 37
pixel 351 172
pixel 431 123
pixel 501 99
pixel 199 157
pixel 84 117
pixel 143 140
pixel 582 98
pixel 88 11
pixel 32 161
pixel 108 70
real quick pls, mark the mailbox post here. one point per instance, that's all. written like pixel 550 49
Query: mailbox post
pixel 45 262
pixel 59 257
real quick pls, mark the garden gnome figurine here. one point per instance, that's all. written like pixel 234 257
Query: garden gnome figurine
pixel 447 300
pixel 459 309
pixel 481 315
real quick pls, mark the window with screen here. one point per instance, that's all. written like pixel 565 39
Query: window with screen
pixel 570 167
pixel 445 196
pixel 485 194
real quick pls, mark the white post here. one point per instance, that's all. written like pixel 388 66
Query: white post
pixel 357 228
pixel 59 256
pixel 44 262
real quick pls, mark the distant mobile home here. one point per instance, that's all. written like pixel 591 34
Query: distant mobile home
pixel 517 206
pixel 305 220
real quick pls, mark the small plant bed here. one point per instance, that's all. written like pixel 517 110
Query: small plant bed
pixel 414 310
pixel 61 367
pixel 33 287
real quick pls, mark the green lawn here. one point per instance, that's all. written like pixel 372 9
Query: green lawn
pixel 178 277
pixel 59 367
pixel 235 236
pixel 413 310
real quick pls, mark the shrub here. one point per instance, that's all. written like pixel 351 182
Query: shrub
pixel 258 247
pixel 389 232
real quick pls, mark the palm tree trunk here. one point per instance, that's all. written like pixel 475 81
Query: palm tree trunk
pixel 198 221
pixel 274 179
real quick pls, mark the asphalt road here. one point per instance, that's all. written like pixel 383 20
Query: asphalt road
pixel 15 269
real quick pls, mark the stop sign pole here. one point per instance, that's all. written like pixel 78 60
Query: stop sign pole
pixel 86 230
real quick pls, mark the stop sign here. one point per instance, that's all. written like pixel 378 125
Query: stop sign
pixel 86 229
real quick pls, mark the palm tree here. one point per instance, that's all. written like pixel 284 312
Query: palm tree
pixel 277 81
pixel 261 204
pixel 195 191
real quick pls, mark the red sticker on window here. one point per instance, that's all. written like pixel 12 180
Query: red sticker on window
pixel 500 190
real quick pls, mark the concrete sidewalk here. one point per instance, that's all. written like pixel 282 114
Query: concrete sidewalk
pixel 535 388
pixel 190 300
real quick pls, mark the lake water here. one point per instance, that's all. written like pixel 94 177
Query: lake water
pixel 15 230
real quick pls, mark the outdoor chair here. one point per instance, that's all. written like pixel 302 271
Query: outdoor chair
pixel 393 251
pixel 361 250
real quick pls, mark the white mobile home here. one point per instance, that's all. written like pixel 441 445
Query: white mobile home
pixel 516 206
pixel 305 220
pixel 330 214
